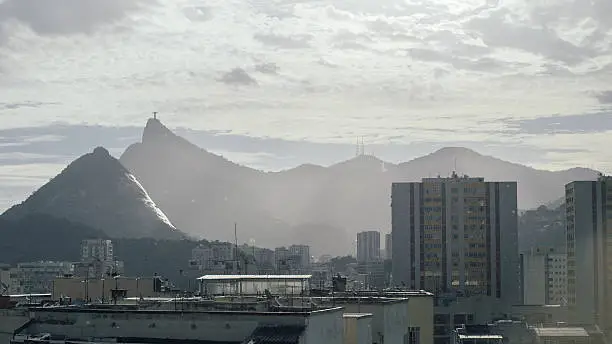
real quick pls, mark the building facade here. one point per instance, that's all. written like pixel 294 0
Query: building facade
pixel 589 251
pixel 303 254
pixel 368 246
pixel 388 245
pixel 456 235
pixel 544 277
pixel 37 277
pixel 97 249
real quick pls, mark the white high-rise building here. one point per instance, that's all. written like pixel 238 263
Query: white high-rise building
pixel 589 251
pixel 457 234
pixel 368 246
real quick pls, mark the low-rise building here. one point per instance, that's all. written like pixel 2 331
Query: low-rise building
pixel 37 277
pixel 102 289
pixel 144 326
pixel 561 335
pixel 357 328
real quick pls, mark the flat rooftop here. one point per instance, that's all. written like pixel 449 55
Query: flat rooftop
pixel 480 336
pixel 560 332
pixel 214 278
pixel 357 315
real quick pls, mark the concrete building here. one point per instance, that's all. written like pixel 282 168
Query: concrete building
pixel 303 252
pixel 97 249
pixel 368 246
pixel 544 277
pixel 101 290
pixel 215 258
pixel 588 224
pixel 357 328
pixel 561 335
pixel 157 326
pixel 457 235
pixel 37 277
pixel 97 260
pixel 374 272
pixel 388 246
pixel 5 278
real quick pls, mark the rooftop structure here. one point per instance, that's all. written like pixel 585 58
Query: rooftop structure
pixel 254 284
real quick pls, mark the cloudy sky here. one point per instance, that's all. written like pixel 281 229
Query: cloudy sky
pixel 276 83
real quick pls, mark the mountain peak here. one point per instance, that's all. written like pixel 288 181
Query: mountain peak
pixel 98 191
pixel 155 130
pixel 455 151
pixel 101 151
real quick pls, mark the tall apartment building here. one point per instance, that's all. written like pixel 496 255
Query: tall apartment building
pixel 589 251
pixel 456 234
pixel 303 252
pixel 544 277
pixel 368 246
pixel 388 245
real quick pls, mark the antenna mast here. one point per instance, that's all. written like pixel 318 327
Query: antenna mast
pixel 236 247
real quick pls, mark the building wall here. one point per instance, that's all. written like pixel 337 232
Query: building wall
pixel 368 246
pixel 37 277
pixel 534 278
pixel 389 320
pixel 588 220
pixel 556 279
pixel 421 316
pixel 211 326
pixel 388 245
pixel 456 234
pixel 358 330
pixel 324 327
pixel 100 289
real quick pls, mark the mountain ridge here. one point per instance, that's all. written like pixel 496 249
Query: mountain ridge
pixel 206 193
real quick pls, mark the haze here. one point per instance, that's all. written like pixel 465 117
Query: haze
pixel 273 84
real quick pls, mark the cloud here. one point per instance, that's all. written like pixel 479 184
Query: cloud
pixel 598 122
pixel 62 17
pixel 267 68
pixel 238 76
pixel 604 97
pixel 284 42
pixel 497 30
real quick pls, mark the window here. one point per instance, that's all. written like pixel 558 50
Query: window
pixel 414 335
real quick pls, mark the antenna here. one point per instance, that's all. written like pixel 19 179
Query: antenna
pixel 236 247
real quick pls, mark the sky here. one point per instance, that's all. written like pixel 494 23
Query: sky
pixel 276 83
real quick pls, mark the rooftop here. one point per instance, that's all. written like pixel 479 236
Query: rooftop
pixel 560 332
pixel 357 315
pixel 254 277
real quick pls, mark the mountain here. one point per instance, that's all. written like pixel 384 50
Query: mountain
pixel 205 194
pixel 543 227
pixel 96 190
pixel 60 240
